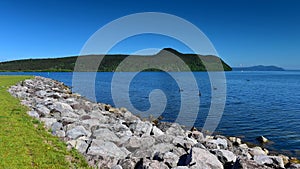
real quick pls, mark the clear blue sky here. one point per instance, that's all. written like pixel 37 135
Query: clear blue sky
pixel 244 32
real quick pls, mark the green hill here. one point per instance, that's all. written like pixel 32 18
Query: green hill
pixel 164 59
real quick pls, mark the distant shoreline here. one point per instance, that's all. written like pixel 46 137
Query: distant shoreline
pixel 258 68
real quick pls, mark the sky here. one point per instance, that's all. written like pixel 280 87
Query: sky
pixel 244 32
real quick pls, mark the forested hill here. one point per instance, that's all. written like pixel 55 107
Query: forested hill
pixel 163 59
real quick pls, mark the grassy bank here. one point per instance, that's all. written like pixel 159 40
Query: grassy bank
pixel 24 143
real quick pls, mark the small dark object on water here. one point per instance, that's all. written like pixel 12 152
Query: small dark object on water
pixel 262 139
pixel 199 93
pixel 247 80
pixel 215 88
pixel 185 159
pixel 180 90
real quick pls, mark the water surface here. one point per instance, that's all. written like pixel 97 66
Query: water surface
pixel 258 103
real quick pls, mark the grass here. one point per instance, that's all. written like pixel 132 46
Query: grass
pixel 24 142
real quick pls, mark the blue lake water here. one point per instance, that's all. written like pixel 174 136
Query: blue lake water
pixel 257 103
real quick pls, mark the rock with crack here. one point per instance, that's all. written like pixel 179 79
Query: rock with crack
pixel 203 159
pixel 106 135
pixel 248 164
pixel 76 132
pixel 216 144
pixel 156 131
pixel 42 110
pixel 107 148
pixel 170 159
pixel 62 107
pixel 273 161
pixel 136 142
pixel 176 130
pixel 225 156
pixel 140 128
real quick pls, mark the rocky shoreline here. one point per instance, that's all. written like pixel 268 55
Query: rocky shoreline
pixel 115 138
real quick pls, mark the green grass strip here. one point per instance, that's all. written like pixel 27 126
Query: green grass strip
pixel 24 142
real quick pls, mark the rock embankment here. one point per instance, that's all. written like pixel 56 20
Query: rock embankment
pixel 115 138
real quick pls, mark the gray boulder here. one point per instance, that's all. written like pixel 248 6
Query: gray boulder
pixel 175 130
pixel 48 122
pixel 117 167
pixel 106 148
pixel 62 107
pixel 294 166
pixel 224 156
pixel 139 143
pixel 54 95
pixel 127 163
pixel 274 161
pixel 242 152
pixel 217 144
pixel 197 135
pixel 184 142
pixel 235 140
pixel 248 164
pixel 89 123
pixel 69 114
pixel 42 110
pixel 81 145
pixel 33 114
pixel 153 164
pixel 162 148
pixel 142 153
pixel 141 128
pixel 156 131
pixel 164 138
pixel 205 160
pixel 76 132
pixel 181 167
pixel 171 159
pixel 255 151
pixel 40 93
pixel 56 127
pixel 106 135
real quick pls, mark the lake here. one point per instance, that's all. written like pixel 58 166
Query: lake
pixel 257 103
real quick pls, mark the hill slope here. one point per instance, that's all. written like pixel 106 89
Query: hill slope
pixel 111 62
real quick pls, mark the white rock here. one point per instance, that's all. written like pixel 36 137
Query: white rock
pixel 257 151
pixel 156 131
pixel 205 160
pixel 224 156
